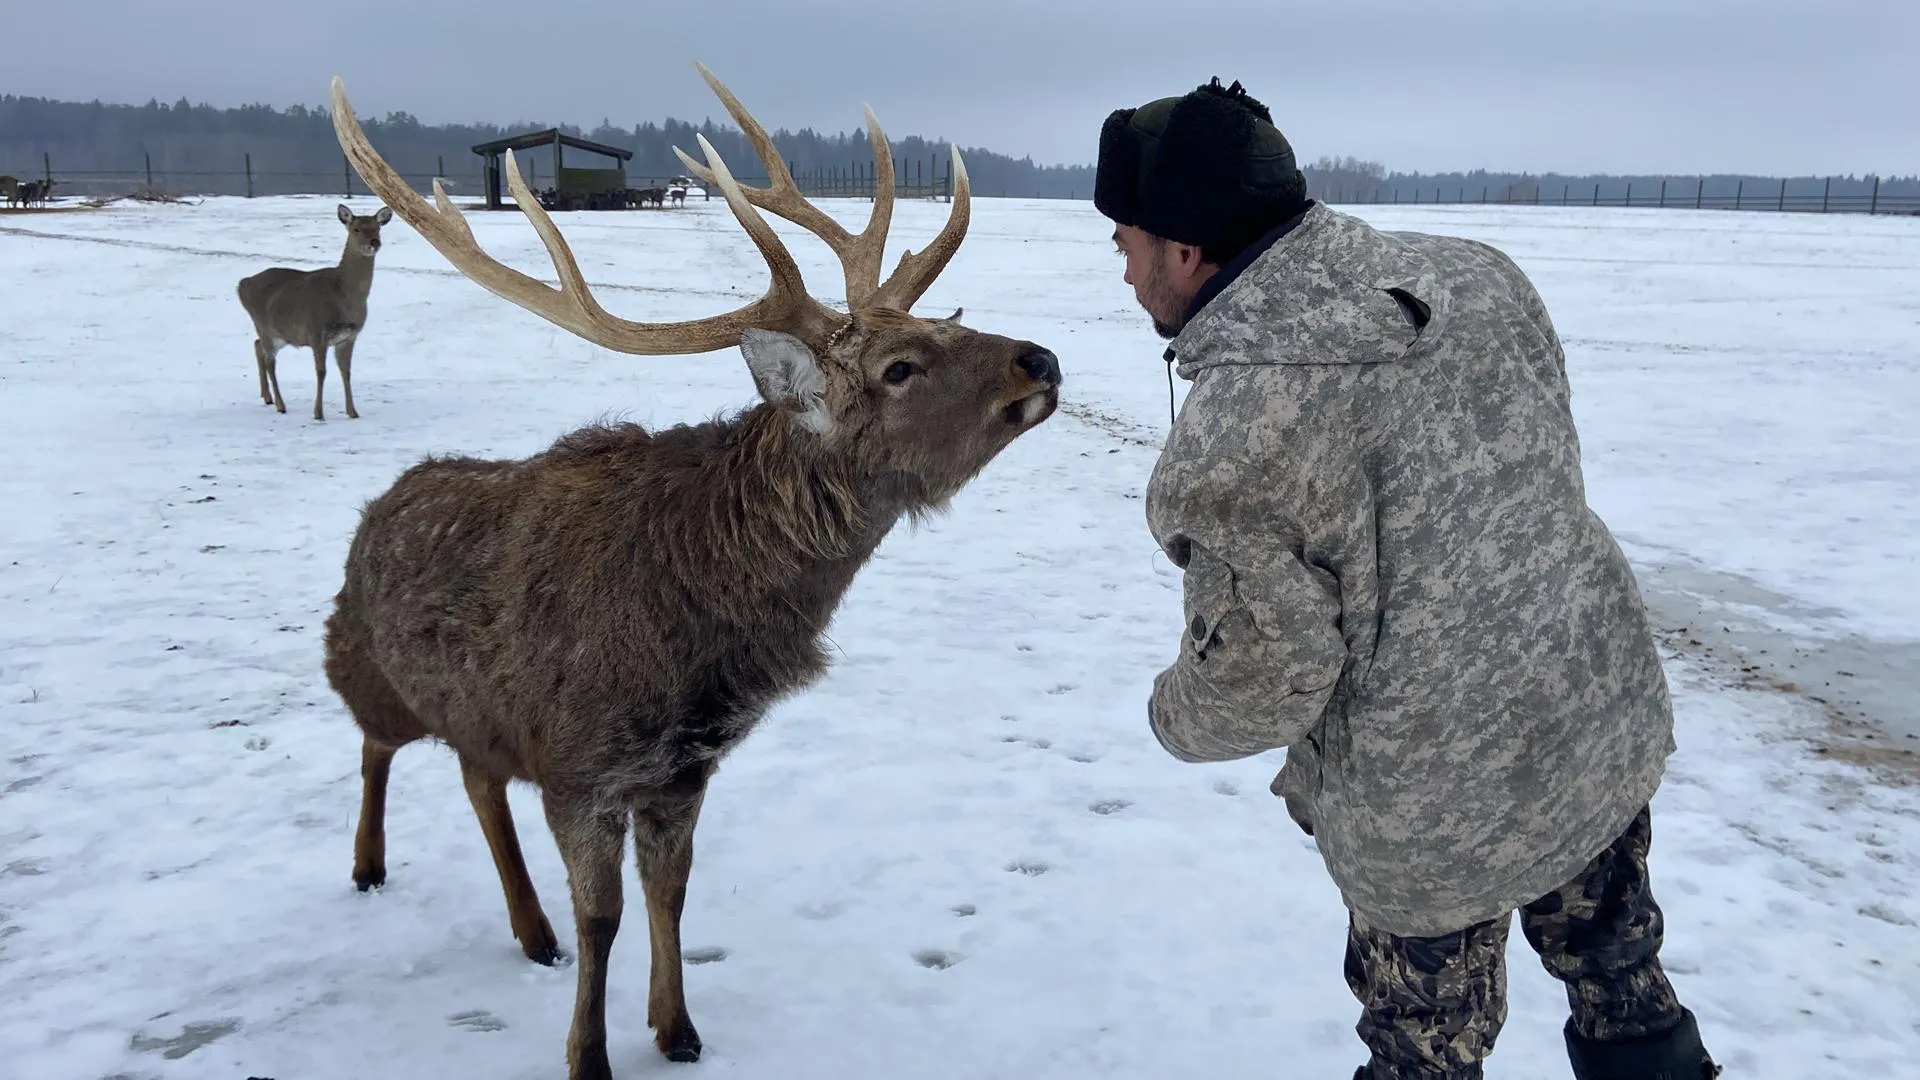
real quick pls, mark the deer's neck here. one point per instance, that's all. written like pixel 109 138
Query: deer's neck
pixel 356 271
pixel 793 525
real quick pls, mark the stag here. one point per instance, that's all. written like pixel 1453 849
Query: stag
pixel 608 618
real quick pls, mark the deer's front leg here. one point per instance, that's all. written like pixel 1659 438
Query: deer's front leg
pixel 343 359
pixel 590 846
pixel 663 825
pixel 319 378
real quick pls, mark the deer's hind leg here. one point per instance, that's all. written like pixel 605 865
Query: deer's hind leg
pixel 386 724
pixel 529 922
pixel 267 355
pixel 260 363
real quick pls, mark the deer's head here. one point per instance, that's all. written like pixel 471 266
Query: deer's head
pixel 924 402
pixel 363 230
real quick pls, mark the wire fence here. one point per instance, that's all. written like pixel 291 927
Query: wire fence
pixel 932 179
pixel 1668 195
pixel 912 180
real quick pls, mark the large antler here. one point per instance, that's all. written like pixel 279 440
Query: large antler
pixel 786 306
pixel 861 255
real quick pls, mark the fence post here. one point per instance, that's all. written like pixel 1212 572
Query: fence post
pixel 1629 201
pixel 1663 193
pixel 1874 206
pixel 1596 194
pixel 1739 194
pixel 440 166
pixel 1483 195
pixel 1783 195
pixel 1700 194
pixel 46 161
pixel 249 176
pixel 149 157
pixel 1826 196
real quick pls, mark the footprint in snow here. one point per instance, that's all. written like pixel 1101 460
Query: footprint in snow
pixel 477 1020
pixel 935 959
pixel 708 954
pixel 1029 867
pixel 192 1037
pixel 1226 787
pixel 1109 806
pixel 965 910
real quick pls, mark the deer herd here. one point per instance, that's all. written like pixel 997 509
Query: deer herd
pixel 21 193
pixel 607 619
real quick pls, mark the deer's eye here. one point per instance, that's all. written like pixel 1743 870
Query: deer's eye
pixel 898 372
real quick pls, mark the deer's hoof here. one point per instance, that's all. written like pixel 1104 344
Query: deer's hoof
pixel 370 879
pixel 590 1064
pixel 545 955
pixel 680 1042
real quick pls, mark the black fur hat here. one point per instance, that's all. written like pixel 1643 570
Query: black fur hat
pixel 1207 168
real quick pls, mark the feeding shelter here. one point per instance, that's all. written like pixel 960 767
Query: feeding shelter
pixel 573 189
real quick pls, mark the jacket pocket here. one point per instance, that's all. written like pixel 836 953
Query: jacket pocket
pixel 1209 599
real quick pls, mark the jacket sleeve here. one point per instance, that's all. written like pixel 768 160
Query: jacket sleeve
pixel 1264 504
pixel 1262 647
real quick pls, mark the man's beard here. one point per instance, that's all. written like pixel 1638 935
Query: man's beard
pixel 1157 295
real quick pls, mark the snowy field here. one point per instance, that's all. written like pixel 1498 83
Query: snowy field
pixel 963 855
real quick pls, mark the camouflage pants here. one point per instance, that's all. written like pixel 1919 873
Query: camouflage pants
pixel 1432 1007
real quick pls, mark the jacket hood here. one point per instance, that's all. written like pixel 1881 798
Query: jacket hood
pixel 1332 291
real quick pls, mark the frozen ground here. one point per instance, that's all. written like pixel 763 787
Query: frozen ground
pixel 962 856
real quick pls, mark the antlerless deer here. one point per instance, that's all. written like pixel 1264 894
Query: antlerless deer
pixel 314 309
pixel 608 618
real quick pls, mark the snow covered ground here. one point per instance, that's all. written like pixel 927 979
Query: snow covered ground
pixel 963 855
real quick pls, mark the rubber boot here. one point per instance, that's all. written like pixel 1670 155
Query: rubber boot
pixel 1676 1054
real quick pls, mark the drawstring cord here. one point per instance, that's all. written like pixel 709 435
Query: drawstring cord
pixel 1168 357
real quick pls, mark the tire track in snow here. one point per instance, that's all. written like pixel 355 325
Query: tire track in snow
pixel 284 260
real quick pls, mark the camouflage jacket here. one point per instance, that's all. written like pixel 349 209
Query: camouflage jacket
pixel 1390 569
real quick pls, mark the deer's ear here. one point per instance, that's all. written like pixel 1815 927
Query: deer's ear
pixel 955 317
pixel 346 214
pixel 384 215
pixel 788 376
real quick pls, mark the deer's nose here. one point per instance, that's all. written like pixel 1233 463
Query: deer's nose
pixel 1040 365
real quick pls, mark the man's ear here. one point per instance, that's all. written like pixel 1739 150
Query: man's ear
pixel 788 377
pixel 1191 262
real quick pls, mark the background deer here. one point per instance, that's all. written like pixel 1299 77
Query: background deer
pixel 607 619
pixel 10 187
pixel 315 309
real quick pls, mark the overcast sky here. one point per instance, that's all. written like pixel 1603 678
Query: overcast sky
pixel 1682 86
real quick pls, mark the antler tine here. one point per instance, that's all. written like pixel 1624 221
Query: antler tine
pixel 860 255
pixel 785 306
pixel 916 273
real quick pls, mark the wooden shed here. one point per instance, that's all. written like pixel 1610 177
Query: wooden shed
pixel 581 186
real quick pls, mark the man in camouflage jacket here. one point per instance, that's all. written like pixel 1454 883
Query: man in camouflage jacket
pixel 1374 493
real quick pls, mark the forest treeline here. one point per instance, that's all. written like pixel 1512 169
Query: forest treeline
pixel 95 147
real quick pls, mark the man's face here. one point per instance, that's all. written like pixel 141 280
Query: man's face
pixel 1165 276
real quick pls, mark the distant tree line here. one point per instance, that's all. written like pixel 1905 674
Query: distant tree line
pixel 202 149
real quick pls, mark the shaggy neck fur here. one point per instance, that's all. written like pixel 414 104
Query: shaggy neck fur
pixel 753 509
